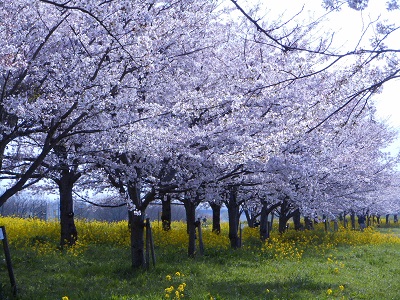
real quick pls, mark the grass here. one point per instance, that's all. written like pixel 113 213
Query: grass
pixel 341 265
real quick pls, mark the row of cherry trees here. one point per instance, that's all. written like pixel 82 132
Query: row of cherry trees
pixel 202 101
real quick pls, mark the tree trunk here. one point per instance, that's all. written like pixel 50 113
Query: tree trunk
pixel 251 219
pixel 190 209
pixel 166 213
pixel 353 220
pixel 264 226
pixel 387 219
pixel 308 223
pixel 296 220
pixel 136 212
pixel 326 223
pixel 69 234
pixel 137 238
pixel 233 214
pixel 216 217
pixel 284 216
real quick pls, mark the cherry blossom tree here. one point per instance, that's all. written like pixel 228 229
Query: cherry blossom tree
pixel 185 98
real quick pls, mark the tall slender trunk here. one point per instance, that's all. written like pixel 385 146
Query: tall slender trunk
pixel 264 226
pixel 136 214
pixel 190 208
pixel 137 238
pixel 166 213
pixel 69 234
pixel 353 220
pixel 251 218
pixel 308 223
pixel 216 217
pixel 234 215
pixel 284 216
pixel 296 220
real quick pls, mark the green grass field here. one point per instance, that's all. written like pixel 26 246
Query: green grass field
pixel 299 265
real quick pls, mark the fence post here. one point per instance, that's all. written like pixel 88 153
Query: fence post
pixel 153 255
pixel 147 257
pixel 240 234
pixel 149 245
pixel 3 237
pixel 201 245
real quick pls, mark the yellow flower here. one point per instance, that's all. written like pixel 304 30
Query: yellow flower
pixel 65 298
pixel 341 287
pixel 178 274
pixel 267 291
pixel 168 277
pixel 166 296
pixel 329 292
pixel 181 288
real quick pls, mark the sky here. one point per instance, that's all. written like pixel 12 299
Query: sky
pixel 348 25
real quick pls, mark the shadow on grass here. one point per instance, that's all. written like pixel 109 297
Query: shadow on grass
pixel 295 288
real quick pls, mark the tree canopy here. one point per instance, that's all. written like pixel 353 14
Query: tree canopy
pixel 195 97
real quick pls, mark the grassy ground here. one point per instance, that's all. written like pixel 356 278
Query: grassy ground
pixel 301 265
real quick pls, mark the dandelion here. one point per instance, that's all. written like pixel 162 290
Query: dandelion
pixel 168 277
pixel 267 291
pixel 65 298
pixel 341 287
pixel 178 274
pixel 329 292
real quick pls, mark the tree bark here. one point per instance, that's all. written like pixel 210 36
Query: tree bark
pixel 137 223
pixel 284 216
pixel 308 223
pixel 265 226
pixel 190 209
pixel 69 234
pixel 353 220
pixel 166 213
pixel 296 220
pixel 234 215
pixel 251 218
pixel 216 217
pixel 137 238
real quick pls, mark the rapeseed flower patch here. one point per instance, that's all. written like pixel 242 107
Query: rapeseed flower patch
pixel 43 237
pixel 172 292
